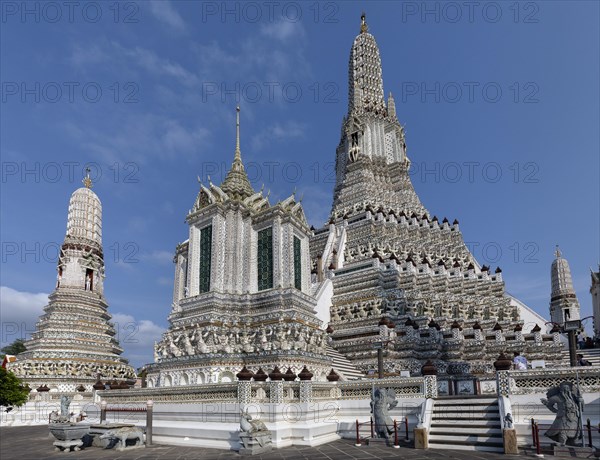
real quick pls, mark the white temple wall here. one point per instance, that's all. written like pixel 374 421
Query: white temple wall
pixel 324 296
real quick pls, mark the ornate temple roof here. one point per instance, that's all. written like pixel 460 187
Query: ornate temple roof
pixel 236 184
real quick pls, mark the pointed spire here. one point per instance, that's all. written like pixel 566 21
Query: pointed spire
pixel 564 305
pixel 391 106
pixel 238 153
pixel 236 184
pixel 364 74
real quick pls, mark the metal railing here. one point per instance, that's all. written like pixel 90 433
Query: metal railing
pixel 535 434
pixel 371 424
pixel 104 408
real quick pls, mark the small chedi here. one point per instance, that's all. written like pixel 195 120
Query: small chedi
pixel 567 403
pixel 242 293
pixel 398 273
pixel 74 341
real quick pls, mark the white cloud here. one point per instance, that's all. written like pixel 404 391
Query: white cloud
pixel 161 257
pixel 136 337
pixel 89 55
pixel 163 11
pixel 19 312
pixel 156 65
pixel 277 132
pixel 146 135
pixel 283 30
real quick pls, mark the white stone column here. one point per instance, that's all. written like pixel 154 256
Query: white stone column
pixel 276 392
pixel 430 389
pixel 244 391
pixel 305 391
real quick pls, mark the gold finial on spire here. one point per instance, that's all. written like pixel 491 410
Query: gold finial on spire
pixel 557 253
pixel 87 181
pixel 363 23
pixel 237 133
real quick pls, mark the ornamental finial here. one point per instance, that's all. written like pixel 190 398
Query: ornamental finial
pixel 87 181
pixel 557 253
pixel 363 23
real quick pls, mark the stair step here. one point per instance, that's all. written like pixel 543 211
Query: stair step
pixel 466 402
pixel 482 448
pixel 467 408
pixel 342 365
pixel 453 429
pixel 468 439
pixel 466 415
pixel 443 423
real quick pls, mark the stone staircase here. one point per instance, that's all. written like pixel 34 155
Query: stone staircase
pixel 343 366
pixel 466 423
pixel 591 354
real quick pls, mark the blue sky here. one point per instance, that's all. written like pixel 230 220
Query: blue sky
pixel 500 105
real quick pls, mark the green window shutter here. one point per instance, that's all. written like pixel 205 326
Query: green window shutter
pixel 265 259
pixel 297 263
pixel 205 258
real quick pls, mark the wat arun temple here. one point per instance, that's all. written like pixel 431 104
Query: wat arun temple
pixel 257 288
pixel 259 292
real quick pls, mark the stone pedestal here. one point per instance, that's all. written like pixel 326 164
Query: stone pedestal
pixel 256 443
pixel 421 438
pixel 66 445
pixel 509 437
pixel 574 452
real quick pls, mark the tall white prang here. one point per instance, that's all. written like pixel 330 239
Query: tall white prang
pixel 74 344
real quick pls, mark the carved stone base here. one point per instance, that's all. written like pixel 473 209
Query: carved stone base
pixel 421 438
pixel 66 445
pixel 509 436
pixel 574 452
pixel 257 443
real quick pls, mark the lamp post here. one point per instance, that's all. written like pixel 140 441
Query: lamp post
pixel 571 327
pixel 379 347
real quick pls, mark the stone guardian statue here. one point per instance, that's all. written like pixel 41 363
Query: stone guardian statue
pixel 382 401
pixel 566 402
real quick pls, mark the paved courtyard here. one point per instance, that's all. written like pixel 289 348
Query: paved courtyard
pixel 35 442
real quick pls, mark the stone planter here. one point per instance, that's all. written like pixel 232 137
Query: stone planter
pixel 68 435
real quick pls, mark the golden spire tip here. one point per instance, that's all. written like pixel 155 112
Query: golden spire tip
pixel 87 181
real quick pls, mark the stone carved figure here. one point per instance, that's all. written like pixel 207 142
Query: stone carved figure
pixel 254 435
pixel 123 434
pixel 65 402
pixel 566 402
pixel 187 344
pixel 508 421
pixel 246 341
pixel 198 338
pixel 382 401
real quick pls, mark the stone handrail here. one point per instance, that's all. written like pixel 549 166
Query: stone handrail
pixel 539 380
pixel 208 392
pixel 275 391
